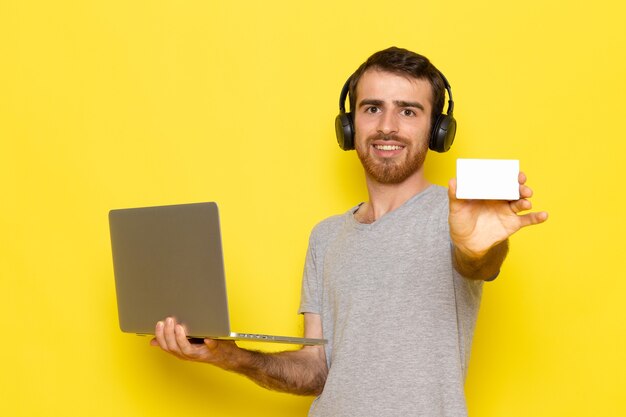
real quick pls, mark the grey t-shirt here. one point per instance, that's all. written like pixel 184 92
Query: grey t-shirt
pixel 398 317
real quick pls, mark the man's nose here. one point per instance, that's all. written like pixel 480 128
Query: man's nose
pixel 388 123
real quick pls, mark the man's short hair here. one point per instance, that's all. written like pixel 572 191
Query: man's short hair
pixel 403 62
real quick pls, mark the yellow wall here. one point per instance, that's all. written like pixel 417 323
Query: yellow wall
pixel 107 104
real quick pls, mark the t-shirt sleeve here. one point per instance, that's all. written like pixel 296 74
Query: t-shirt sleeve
pixel 310 298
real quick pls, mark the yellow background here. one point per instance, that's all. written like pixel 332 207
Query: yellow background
pixel 109 104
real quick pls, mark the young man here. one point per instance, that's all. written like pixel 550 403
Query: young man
pixel 394 284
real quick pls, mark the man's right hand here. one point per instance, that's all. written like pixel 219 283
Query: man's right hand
pixel 301 372
pixel 172 338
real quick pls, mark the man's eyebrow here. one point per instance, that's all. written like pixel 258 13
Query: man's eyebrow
pixel 399 103
pixel 402 103
pixel 370 102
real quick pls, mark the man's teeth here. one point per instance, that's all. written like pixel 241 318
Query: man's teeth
pixel 388 147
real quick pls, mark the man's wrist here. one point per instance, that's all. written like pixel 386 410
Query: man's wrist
pixel 481 265
pixel 471 256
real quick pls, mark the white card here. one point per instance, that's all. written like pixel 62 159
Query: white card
pixel 487 179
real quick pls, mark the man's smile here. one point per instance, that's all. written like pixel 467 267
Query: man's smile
pixel 388 147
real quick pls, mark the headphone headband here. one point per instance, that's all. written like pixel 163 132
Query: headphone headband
pixel 446 84
pixel 344 95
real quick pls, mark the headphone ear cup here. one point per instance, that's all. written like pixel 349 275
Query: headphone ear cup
pixel 344 131
pixel 442 134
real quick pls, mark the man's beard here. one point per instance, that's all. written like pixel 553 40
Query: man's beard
pixel 392 170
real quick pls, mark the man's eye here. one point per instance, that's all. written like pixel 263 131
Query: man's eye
pixel 372 109
pixel 407 112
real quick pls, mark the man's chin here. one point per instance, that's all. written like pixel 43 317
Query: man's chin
pixel 389 171
pixel 388 175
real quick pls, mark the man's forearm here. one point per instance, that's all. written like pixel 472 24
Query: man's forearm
pixel 483 266
pixel 301 372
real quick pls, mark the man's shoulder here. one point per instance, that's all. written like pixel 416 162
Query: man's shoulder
pixel 329 224
pixel 440 196
pixel 439 192
pixel 434 197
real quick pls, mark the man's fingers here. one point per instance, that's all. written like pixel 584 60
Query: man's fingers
pixel 169 333
pixel 163 339
pixel 533 218
pixel 186 348
pixel 180 334
pixel 452 189
pixel 159 338
pixel 520 205
pixel 525 191
pixel 521 178
pixel 172 338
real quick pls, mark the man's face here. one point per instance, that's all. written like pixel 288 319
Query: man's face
pixel 392 125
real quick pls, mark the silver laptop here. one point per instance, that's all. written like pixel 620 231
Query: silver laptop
pixel 168 263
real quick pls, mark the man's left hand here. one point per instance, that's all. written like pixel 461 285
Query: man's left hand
pixel 478 225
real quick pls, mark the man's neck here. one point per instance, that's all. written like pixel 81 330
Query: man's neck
pixel 384 198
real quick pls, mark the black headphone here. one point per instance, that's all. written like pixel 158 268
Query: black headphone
pixel 441 134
